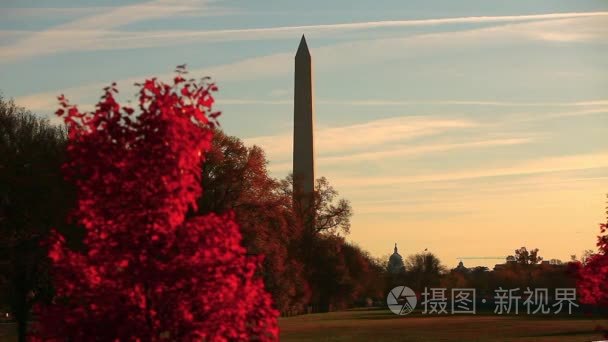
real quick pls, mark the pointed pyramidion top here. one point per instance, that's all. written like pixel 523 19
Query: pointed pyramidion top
pixel 303 48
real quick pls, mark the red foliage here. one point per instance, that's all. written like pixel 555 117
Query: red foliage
pixel 149 272
pixel 593 276
pixel 235 178
pixel 593 284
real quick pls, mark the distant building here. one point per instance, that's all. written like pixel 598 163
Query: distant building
pixel 395 263
pixel 460 268
pixel 545 263
pixel 510 261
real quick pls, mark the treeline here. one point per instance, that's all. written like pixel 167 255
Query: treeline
pixel 511 276
pixel 524 269
pixel 304 270
pixel 33 199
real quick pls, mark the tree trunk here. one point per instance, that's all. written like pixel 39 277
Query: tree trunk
pixel 20 288
pixel 22 329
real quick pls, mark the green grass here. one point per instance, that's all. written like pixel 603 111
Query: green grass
pixel 382 325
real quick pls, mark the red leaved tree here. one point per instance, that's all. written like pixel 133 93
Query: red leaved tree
pixel 593 283
pixel 593 275
pixel 150 272
pixel 235 177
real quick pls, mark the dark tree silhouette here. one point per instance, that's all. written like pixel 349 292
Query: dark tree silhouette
pixel 423 270
pixel 523 256
pixel 33 198
pixel 320 239
pixel 331 215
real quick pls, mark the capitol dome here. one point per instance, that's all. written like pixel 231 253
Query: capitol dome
pixel 395 263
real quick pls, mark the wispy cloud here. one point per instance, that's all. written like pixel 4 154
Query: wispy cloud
pixel 379 102
pixel 95 32
pixel 36 12
pixel 364 135
pixel 534 190
pixel 584 30
pixel 530 117
pixel 29 12
pixel 46 102
pixel 426 191
pixel 543 30
pixel 381 153
pixel 558 194
pixel 423 150
pixel 327 58
pixel 401 103
pixel 537 166
pixel 405 23
pixel 81 33
pixel 244 70
pixel 5 35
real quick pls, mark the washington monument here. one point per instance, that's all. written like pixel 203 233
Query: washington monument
pixel 303 131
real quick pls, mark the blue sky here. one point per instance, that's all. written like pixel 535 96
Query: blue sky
pixel 470 128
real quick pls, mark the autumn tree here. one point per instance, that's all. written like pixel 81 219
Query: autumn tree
pixel 364 281
pixel 587 255
pixel 235 177
pixel 593 275
pixel 150 270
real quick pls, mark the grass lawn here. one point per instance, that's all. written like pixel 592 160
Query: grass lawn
pixel 8 332
pixel 382 325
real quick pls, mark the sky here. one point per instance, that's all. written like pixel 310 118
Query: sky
pixel 469 128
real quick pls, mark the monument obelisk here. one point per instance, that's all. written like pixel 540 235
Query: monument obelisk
pixel 303 132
